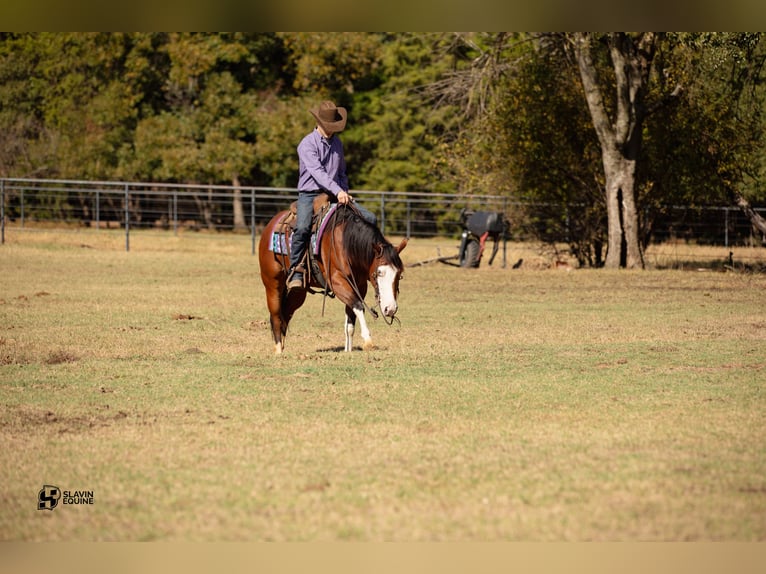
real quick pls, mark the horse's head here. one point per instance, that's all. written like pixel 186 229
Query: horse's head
pixel 385 272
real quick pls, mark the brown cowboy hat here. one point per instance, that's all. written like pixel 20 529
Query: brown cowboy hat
pixel 331 118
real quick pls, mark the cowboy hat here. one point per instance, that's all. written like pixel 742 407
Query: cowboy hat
pixel 331 118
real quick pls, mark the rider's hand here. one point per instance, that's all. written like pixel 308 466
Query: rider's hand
pixel 344 197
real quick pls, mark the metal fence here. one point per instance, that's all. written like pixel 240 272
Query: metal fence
pixel 30 203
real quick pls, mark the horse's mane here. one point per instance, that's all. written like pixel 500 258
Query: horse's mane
pixel 360 237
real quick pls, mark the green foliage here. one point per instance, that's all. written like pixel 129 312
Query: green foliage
pixel 471 113
pixel 205 134
pixel 706 144
pixel 709 142
pixel 282 123
pixel 20 105
pixel 536 143
pixel 703 137
pixel 332 64
pixel 67 106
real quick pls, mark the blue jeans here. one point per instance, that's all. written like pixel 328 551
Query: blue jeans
pixel 305 211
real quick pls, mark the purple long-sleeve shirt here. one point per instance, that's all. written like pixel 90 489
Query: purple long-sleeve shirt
pixel 321 164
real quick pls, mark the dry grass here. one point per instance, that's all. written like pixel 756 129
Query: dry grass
pixel 530 404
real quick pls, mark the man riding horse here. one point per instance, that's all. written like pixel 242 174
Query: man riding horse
pixel 350 251
pixel 322 169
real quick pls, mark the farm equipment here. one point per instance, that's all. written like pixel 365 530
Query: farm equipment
pixel 478 226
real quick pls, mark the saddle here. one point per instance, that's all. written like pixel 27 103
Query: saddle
pixel 322 207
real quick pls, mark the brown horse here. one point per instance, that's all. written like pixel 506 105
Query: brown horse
pixel 350 252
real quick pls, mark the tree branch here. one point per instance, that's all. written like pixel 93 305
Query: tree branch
pixel 593 96
pixel 756 219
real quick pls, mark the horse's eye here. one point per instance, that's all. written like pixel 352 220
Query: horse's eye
pixel 381 273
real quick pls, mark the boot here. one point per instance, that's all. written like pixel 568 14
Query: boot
pixel 295 278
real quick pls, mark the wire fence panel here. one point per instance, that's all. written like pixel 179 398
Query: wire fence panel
pixel 172 207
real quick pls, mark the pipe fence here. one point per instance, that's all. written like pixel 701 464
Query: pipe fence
pixel 130 206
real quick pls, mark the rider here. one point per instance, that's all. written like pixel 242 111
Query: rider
pixel 322 169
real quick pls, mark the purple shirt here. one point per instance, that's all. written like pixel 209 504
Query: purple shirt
pixel 321 164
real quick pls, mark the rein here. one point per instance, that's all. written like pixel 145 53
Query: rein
pixel 352 281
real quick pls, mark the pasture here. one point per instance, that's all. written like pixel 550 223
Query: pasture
pixel 508 405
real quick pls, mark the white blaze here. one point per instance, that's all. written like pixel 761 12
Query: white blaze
pixel 386 279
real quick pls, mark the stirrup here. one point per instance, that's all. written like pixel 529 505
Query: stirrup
pixel 299 268
pixel 294 282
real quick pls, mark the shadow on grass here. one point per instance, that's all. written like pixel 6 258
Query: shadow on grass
pixel 692 265
pixel 341 349
pixel 714 265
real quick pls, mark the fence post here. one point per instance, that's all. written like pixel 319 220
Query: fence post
pixel 22 207
pixel 505 235
pixel 98 209
pixel 726 226
pixel 409 216
pixel 127 218
pixel 383 213
pixel 2 212
pixel 252 221
pixel 175 212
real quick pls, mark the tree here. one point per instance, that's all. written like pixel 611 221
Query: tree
pixel 206 133
pixel 331 64
pixel 543 148
pixel 396 122
pixel 73 109
pixel 21 115
pixel 619 128
pixel 707 147
pixel 599 131
pixel 468 91
pixel 737 81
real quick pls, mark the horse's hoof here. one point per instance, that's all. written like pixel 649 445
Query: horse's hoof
pixel 368 346
pixel 278 349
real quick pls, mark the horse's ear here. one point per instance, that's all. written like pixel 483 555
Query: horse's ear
pixel 402 245
pixel 378 250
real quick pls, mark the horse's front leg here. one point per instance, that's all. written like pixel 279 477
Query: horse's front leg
pixel 349 324
pixel 352 314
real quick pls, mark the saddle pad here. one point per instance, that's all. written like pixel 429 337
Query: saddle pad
pixel 278 242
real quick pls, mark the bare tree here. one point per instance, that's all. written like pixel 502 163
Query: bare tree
pixel 619 133
pixel 756 220
pixel 617 119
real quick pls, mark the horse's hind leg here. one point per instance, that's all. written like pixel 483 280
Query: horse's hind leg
pixel 278 324
pixel 278 334
pixel 282 307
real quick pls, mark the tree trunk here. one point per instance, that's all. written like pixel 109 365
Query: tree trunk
pixel 756 220
pixel 206 209
pixel 620 137
pixel 622 213
pixel 613 218
pixel 634 256
pixel 238 207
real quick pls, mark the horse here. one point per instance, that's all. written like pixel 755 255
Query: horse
pixel 349 252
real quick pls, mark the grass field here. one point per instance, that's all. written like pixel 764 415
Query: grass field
pixel 509 405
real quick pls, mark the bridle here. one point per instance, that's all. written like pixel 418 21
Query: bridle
pixel 373 278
